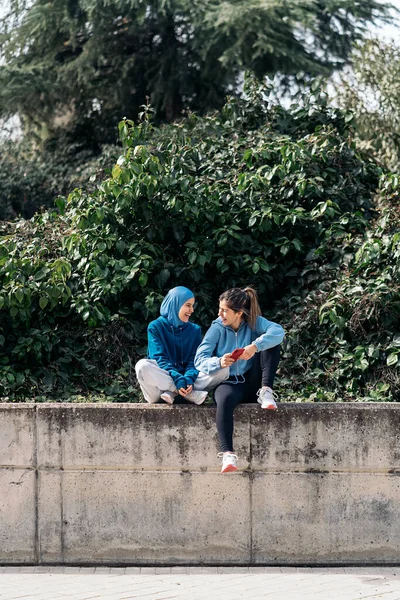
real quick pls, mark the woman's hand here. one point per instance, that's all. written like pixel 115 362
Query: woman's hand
pixel 185 391
pixel 249 352
pixel 226 361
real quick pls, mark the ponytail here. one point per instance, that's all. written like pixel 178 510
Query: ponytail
pixel 254 307
pixel 245 301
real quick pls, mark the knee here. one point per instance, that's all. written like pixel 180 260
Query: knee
pixel 224 403
pixel 140 368
pixel 273 352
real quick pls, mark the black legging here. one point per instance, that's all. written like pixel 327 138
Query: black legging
pixel 229 393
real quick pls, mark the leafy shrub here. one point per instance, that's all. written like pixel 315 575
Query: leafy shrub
pixel 30 179
pixel 254 194
pixel 344 338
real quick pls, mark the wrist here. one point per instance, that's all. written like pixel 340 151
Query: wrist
pixel 255 346
pixel 180 383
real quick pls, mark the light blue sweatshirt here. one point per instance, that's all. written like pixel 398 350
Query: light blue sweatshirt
pixel 220 340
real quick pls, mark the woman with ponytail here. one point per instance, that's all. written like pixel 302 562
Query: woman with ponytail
pixel 250 377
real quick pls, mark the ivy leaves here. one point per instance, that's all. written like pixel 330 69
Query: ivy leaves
pixel 252 194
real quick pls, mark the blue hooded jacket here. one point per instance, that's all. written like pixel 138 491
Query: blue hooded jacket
pixel 221 339
pixel 173 343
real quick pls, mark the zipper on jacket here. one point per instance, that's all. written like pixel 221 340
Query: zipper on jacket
pixel 236 334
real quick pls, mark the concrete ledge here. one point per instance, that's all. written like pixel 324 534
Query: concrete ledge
pixel 136 484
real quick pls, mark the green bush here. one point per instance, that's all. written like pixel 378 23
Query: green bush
pixel 30 178
pixel 254 194
pixel 344 341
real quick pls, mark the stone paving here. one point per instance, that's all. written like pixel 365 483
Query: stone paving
pixel 199 583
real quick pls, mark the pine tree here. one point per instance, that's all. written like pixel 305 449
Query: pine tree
pixel 370 89
pixel 82 65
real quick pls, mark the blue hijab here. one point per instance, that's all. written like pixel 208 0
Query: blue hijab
pixel 172 304
pixel 172 342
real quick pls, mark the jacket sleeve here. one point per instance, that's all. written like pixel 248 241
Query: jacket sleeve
pixel 205 359
pixel 191 371
pixel 159 355
pixel 269 334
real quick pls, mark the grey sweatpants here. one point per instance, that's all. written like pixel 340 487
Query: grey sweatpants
pixel 154 381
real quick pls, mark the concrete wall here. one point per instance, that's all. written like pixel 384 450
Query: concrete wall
pixel 139 484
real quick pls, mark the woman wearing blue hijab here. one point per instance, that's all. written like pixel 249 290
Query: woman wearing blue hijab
pixel 169 368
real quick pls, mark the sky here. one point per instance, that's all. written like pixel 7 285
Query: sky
pixel 389 32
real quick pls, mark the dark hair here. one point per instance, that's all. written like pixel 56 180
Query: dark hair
pixel 243 300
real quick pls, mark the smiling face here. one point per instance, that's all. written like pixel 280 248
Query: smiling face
pixel 186 310
pixel 229 317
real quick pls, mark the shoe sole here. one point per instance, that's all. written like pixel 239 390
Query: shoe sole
pixel 169 401
pixel 196 402
pixel 229 469
pixel 269 407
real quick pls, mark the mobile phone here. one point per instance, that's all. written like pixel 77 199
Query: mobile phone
pixel 236 353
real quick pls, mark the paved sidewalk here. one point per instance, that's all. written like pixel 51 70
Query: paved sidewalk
pixel 196 583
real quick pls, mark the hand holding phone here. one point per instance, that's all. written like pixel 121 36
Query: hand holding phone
pixel 236 353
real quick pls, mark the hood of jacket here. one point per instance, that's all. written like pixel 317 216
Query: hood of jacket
pixel 172 304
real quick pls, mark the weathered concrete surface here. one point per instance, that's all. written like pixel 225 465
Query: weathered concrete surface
pixel 325 518
pixel 17 516
pixel 140 484
pixel 131 436
pixel 17 483
pixel 17 435
pixel 150 517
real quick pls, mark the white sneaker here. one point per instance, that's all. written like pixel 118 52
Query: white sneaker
pixel 229 462
pixel 168 397
pixel 266 397
pixel 196 396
